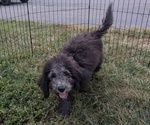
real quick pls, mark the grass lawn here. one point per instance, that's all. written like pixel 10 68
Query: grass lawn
pixel 117 95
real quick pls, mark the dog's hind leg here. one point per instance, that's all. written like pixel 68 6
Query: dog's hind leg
pixel 97 68
pixel 86 77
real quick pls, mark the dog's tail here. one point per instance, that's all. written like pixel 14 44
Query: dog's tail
pixel 106 22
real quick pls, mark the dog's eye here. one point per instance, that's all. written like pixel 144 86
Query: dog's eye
pixel 67 73
pixel 53 75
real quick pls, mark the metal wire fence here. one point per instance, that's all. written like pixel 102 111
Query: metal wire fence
pixel 41 27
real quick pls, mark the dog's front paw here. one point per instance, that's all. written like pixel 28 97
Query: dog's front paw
pixel 62 112
pixel 63 108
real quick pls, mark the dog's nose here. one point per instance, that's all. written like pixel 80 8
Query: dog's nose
pixel 61 89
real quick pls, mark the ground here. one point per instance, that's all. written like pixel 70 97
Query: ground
pixel 118 94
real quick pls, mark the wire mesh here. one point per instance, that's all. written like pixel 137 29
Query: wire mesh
pixel 41 27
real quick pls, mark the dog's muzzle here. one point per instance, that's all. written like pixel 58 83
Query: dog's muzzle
pixel 61 89
pixel 63 94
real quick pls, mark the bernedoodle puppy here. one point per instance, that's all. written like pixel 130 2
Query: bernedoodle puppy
pixel 73 67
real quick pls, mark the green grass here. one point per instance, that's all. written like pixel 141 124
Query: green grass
pixel 118 95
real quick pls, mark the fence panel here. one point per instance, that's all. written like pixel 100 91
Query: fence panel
pixel 41 27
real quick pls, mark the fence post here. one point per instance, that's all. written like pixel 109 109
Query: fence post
pixel 89 7
pixel 30 34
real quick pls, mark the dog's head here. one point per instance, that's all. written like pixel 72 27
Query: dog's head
pixel 60 75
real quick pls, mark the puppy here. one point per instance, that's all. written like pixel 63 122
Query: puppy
pixel 73 67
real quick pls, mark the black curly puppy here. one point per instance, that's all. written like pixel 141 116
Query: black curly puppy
pixel 73 67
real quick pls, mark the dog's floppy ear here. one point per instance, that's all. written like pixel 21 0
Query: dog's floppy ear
pixel 44 80
pixel 44 84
